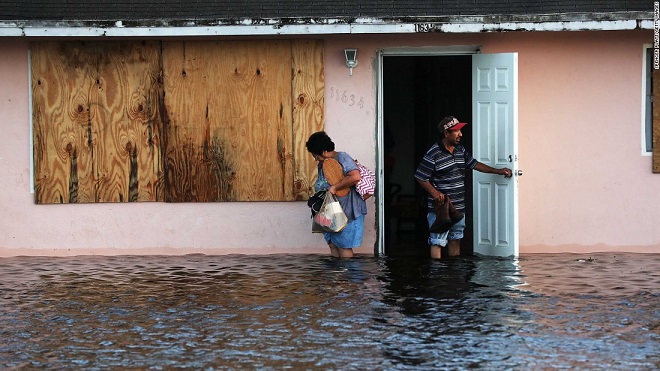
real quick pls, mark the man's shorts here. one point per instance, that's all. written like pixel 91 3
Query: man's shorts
pixel 441 239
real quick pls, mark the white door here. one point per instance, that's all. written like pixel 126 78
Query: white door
pixel 495 143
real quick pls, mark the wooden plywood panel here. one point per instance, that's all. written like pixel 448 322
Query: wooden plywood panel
pixel 656 121
pixel 214 123
pixel 128 155
pixel 61 82
pixel 228 121
pixel 308 110
pixel 87 99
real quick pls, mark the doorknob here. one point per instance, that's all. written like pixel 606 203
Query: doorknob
pixel 518 172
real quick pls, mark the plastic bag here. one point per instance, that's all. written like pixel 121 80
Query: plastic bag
pixel 316 227
pixel 331 216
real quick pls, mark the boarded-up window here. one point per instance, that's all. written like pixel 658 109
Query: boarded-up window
pixel 175 121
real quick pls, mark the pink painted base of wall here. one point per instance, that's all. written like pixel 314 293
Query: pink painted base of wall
pixel 320 249
pixel 62 252
pixel 67 252
pixel 540 249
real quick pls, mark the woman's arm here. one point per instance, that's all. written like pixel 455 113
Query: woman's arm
pixel 348 181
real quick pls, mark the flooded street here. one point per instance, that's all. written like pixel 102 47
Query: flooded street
pixel 564 311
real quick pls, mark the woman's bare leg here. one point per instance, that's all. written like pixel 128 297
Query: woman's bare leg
pixel 340 253
pixel 345 253
pixel 334 250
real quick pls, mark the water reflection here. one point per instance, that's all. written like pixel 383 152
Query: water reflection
pixel 315 312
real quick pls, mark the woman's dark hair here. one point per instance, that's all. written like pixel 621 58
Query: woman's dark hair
pixel 319 142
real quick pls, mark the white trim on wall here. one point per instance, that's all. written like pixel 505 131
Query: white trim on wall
pixel 431 50
pixel 249 27
pixel 29 66
pixel 379 249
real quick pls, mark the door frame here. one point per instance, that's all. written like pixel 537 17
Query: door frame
pixel 434 51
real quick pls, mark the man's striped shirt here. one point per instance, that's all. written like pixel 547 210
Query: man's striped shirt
pixel 446 172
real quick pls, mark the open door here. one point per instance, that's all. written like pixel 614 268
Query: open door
pixel 495 143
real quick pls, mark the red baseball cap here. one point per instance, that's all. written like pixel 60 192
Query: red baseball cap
pixel 451 123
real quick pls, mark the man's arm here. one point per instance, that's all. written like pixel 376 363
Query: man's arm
pixel 430 189
pixel 487 169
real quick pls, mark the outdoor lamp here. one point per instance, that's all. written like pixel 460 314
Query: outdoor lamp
pixel 351 59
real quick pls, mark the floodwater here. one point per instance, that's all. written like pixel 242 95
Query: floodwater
pixel 274 312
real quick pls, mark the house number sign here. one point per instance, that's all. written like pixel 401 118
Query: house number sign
pixel 346 98
pixel 425 27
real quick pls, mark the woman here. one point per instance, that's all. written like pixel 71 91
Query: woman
pixel 341 243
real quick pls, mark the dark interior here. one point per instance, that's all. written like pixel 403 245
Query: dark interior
pixel 418 91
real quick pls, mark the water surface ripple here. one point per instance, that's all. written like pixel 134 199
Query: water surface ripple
pixel 273 312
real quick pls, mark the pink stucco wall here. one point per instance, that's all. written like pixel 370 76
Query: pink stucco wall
pixel 141 228
pixel 586 186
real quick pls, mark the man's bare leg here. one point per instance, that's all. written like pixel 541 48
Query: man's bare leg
pixel 436 252
pixel 454 248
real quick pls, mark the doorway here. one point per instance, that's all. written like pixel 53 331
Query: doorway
pixel 417 92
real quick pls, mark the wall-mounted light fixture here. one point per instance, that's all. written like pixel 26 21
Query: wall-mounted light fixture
pixel 351 59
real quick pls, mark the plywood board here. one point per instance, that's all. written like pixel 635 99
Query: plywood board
pixel 178 121
pixel 228 109
pixel 308 110
pixel 95 121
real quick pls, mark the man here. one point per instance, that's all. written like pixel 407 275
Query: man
pixel 441 173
